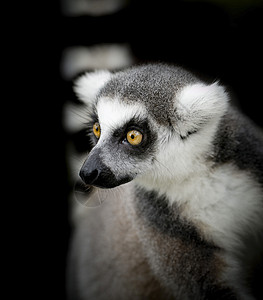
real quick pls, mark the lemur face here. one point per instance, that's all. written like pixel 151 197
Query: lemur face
pixel 124 143
pixel 151 121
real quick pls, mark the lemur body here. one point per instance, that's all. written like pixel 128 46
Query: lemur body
pixel 183 218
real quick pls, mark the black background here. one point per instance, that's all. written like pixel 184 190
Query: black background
pixel 215 41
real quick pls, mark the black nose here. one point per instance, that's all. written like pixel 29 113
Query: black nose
pixel 94 172
pixel 91 168
pixel 89 176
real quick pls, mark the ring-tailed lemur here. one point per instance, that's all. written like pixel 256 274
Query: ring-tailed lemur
pixel 183 218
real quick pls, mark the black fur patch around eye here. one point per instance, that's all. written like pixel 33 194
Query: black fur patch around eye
pixel 148 141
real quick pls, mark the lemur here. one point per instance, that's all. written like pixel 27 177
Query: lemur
pixel 180 171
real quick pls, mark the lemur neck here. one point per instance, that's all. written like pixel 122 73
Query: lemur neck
pixel 215 201
pixel 177 188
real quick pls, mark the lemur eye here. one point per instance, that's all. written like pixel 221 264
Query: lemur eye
pixel 134 137
pixel 96 130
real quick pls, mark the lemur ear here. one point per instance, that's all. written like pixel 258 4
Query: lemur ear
pixel 87 86
pixel 197 105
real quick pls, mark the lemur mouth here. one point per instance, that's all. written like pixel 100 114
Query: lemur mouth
pixel 81 187
pixel 83 194
pixel 91 196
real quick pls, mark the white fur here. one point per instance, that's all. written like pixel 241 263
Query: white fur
pixel 113 114
pixel 223 203
pixel 223 200
pixel 199 103
pixel 178 159
pixel 88 85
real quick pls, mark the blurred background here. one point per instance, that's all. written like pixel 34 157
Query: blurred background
pixel 218 39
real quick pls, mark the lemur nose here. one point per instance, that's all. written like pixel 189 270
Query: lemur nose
pixel 94 172
pixel 89 176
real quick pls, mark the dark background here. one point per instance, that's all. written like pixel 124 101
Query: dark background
pixel 218 41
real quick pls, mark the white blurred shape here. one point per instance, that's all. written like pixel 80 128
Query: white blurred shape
pixel 103 56
pixel 91 7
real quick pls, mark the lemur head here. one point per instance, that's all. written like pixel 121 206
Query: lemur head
pixel 152 121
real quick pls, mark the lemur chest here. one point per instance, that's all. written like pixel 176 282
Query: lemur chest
pixel 218 206
pixel 183 260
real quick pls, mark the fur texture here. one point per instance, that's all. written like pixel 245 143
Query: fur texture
pixel 188 225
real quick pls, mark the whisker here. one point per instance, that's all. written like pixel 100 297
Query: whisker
pixel 82 113
pixel 99 196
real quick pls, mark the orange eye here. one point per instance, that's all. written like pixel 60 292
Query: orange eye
pixel 96 130
pixel 134 137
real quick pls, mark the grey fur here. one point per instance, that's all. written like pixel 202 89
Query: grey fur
pixel 239 141
pixel 123 250
pixel 137 245
pixel 152 85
